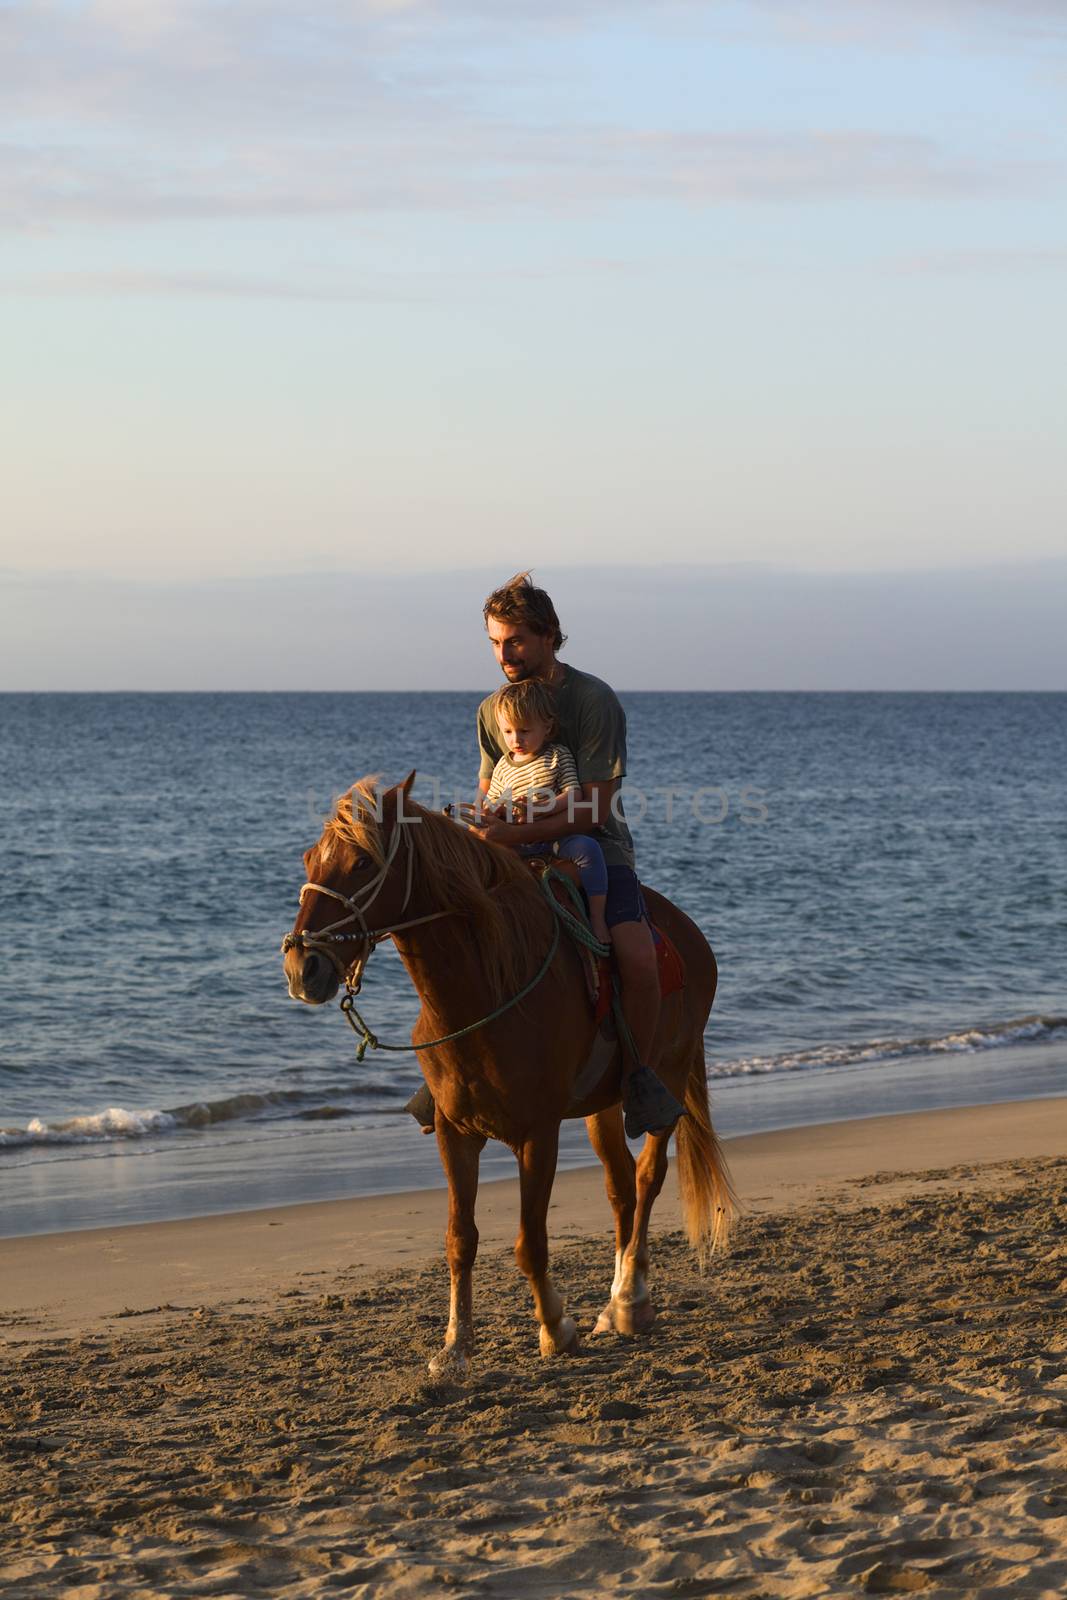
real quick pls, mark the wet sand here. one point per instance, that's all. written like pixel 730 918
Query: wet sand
pixel 867 1394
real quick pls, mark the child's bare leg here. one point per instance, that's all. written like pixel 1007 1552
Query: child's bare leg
pixel 597 919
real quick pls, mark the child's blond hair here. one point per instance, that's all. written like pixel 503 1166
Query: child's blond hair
pixel 521 701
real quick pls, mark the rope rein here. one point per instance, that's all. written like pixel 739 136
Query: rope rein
pixel 322 941
pixel 573 923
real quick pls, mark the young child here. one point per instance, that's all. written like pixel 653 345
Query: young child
pixel 539 776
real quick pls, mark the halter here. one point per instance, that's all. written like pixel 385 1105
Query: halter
pixel 322 940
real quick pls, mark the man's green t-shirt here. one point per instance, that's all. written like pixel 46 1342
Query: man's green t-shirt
pixel 592 724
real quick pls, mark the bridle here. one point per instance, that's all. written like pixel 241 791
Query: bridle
pixel 323 941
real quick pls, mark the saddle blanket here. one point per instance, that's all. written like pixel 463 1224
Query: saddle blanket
pixel 671 966
pixel 671 973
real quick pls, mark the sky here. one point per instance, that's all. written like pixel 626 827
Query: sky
pixel 403 288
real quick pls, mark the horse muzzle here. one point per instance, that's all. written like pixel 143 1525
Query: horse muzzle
pixel 312 977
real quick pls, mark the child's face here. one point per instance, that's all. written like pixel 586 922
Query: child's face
pixel 524 739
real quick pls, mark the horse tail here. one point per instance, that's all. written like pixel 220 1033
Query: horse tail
pixel 708 1199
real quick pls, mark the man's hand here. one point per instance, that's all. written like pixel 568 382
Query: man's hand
pixel 489 822
pixel 495 832
pixel 476 815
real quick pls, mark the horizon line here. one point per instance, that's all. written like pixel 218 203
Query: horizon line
pixel 776 568
pixel 483 691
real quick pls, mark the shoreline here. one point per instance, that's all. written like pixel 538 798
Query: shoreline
pixel 241 1167
pixel 65 1283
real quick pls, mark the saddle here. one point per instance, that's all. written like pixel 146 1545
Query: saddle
pixel 599 970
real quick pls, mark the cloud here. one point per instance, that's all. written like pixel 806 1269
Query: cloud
pixel 203 66
pixel 129 111
pixel 976 23
pixel 413 286
pixel 463 168
pixel 212 286
pixel 985 261
pixel 209 69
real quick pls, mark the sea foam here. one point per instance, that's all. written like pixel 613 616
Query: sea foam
pixel 1019 1030
pixel 118 1123
pixel 334 1101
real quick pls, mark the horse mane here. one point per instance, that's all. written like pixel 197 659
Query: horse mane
pixel 455 870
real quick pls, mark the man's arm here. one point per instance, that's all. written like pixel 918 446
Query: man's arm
pixel 594 804
pixel 489 749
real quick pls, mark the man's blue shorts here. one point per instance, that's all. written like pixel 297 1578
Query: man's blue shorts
pixel 625 902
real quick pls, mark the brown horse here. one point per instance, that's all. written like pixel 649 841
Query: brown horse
pixel 473 927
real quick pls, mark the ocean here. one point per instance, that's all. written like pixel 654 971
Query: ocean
pixel 883 878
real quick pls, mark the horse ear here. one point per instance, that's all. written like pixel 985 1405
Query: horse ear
pixel 401 791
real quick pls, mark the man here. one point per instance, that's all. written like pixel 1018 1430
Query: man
pixel 525 634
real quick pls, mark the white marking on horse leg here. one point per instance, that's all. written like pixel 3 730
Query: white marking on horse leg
pixel 616 1282
pixel 631 1304
pixel 634 1287
pixel 605 1323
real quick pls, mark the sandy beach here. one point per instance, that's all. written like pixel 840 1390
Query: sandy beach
pixel 867 1394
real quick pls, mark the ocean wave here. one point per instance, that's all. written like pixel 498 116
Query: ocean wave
pixel 965 1041
pixel 118 1123
pixel 335 1101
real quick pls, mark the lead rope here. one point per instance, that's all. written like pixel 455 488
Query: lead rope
pixel 573 922
pixel 582 934
pixel 367 1038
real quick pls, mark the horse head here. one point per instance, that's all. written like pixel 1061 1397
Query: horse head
pixel 358 885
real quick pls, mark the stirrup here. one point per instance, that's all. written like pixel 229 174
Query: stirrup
pixel 422 1108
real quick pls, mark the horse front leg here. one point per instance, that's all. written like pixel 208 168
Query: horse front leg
pixel 631 1305
pixel 537 1169
pixel 460 1155
pixel 629 1310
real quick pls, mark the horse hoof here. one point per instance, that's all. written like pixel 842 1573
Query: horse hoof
pixel 562 1340
pixel 630 1317
pixel 605 1323
pixel 451 1364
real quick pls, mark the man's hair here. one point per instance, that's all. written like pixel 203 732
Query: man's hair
pixel 519 601
pixel 518 702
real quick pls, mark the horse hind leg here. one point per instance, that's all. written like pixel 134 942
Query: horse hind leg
pixel 460 1155
pixel 609 1141
pixel 537 1170
pixel 629 1310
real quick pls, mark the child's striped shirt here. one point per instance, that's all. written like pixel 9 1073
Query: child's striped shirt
pixel 553 772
